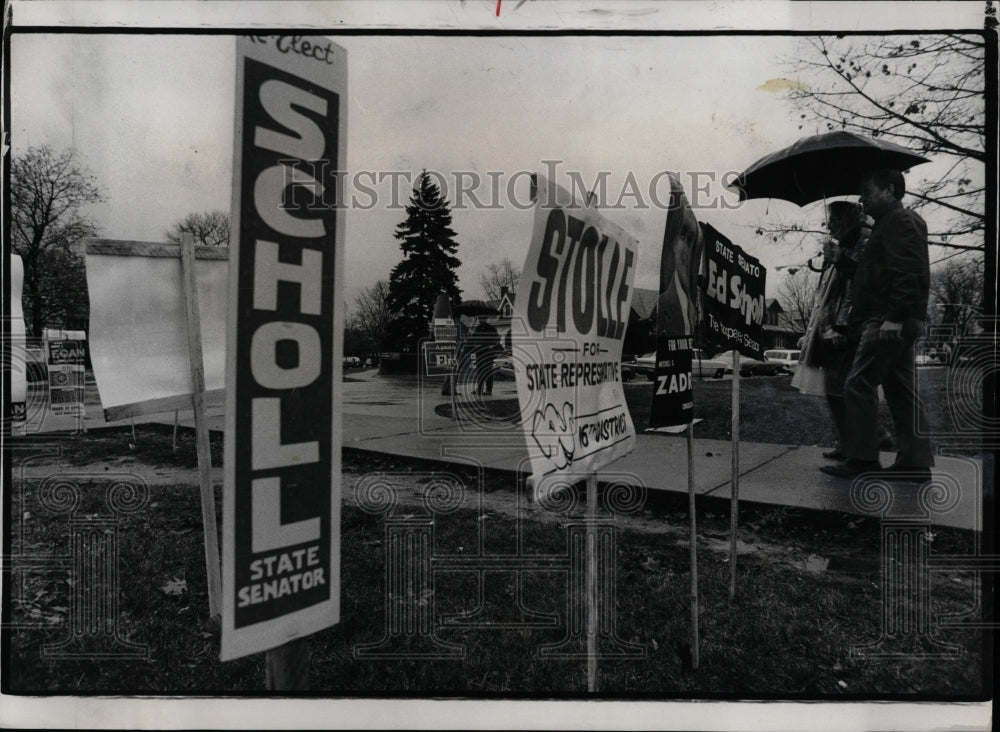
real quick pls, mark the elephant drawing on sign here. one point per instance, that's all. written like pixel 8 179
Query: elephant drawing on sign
pixel 554 434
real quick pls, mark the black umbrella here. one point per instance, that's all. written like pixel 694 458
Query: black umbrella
pixel 821 166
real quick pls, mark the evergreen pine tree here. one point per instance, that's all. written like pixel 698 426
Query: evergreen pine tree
pixel 428 265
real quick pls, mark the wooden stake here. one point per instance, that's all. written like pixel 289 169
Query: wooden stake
pixel 734 499
pixel 591 584
pixel 174 444
pixel 286 668
pixel 212 565
pixel 131 421
pixel 694 549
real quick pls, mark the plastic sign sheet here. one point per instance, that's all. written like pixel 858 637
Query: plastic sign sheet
pixel 281 516
pixel 677 314
pixel 138 324
pixel 18 352
pixel 734 295
pixel 570 315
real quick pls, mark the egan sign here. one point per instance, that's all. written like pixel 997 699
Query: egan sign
pixel 281 574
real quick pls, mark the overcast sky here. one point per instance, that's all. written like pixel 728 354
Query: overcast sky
pixel 152 117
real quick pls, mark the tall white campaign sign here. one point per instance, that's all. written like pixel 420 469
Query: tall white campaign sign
pixel 570 316
pixel 18 372
pixel 281 516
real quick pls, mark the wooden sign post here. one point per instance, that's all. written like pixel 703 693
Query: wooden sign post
pixel 173 442
pixel 734 500
pixel 693 525
pixel 202 441
pixel 591 583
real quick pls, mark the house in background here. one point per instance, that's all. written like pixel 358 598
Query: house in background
pixel 504 308
pixel 780 329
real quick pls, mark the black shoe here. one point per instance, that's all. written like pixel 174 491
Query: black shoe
pixel 908 475
pixel 851 469
pixel 834 454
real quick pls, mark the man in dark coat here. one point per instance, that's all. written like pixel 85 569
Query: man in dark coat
pixel 484 341
pixel 890 290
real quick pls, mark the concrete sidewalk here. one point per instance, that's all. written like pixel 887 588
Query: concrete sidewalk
pixel 398 416
pixel 770 474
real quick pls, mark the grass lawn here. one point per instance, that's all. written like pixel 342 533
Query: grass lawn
pixel 809 592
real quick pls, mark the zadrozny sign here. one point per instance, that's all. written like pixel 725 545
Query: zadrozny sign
pixel 281 537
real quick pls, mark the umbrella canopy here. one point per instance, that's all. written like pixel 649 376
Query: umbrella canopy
pixel 821 166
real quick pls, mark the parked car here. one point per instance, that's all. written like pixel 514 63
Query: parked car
pixel 923 359
pixel 787 357
pixel 352 362
pixel 701 365
pixel 752 366
pixel 504 362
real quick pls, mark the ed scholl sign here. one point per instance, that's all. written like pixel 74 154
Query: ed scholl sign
pixel 281 538
pixel 734 294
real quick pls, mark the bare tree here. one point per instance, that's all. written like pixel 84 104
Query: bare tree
pixel 47 191
pixel 796 294
pixel 373 315
pixel 210 229
pixel 924 92
pixel 497 276
pixel 957 294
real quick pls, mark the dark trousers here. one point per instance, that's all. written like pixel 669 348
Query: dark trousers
pixel 837 362
pixel 836 365
pixel 836 404
pixel 484 380
pixel 889 363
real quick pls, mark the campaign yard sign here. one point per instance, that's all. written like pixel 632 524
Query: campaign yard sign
pixel 18 373
pixel 440 358
pixel 139 345
pixel 281 536
pixel 734 295
pixel 678 313
pixel 66 357
pixel 569 321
